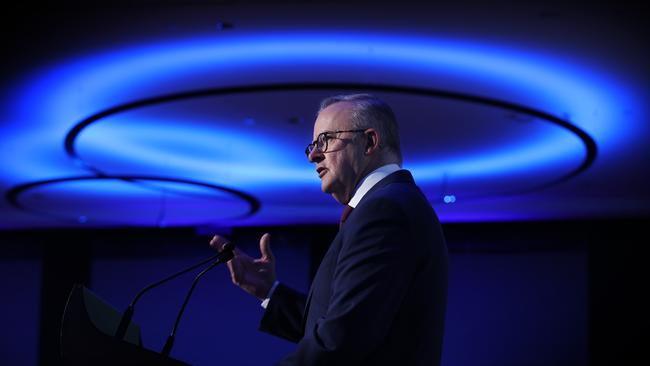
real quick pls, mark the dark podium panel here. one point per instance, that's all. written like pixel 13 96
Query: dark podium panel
pixel 87 335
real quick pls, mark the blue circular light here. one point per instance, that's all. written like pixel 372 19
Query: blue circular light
pixel 70 92
pixel 125 188
pixel 227 154
pixel 67 93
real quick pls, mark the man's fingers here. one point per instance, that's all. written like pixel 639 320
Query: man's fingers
pixel 230 266
pixel 238 253
pixel 235 271
pixel 241 262
pixel 265 247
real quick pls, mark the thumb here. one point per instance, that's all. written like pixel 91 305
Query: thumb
pixel 265 247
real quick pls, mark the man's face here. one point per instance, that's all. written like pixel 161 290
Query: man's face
pixel 340 167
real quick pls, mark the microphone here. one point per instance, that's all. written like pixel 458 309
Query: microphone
pixel 128 313
pixel 226 250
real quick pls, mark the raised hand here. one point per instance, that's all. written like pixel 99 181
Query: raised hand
pixel 255 276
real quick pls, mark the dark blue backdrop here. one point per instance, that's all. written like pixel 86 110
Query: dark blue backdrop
pixel 511 301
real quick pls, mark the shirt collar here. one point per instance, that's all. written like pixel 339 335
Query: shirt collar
pixel 370 180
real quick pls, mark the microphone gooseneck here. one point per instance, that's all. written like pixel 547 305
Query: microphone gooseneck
pixel 128 313
pixel 226 255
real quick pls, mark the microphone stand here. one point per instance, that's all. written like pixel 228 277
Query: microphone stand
pixel 128 313
pixel 227 255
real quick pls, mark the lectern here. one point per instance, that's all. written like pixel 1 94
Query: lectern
pixel 87 335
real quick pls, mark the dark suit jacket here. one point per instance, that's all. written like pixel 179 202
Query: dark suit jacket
pixel 380 293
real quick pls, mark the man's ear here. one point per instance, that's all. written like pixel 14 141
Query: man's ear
pixel 372 142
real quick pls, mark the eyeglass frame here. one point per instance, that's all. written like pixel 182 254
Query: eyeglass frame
pixel 314 145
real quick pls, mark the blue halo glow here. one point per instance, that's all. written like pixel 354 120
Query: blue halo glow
pixel 68 92
pixel 210 153
pixel 74 90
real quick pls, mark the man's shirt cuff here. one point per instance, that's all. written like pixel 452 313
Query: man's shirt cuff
pixel 266 300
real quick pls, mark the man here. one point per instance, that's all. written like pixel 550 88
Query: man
pixel 379 295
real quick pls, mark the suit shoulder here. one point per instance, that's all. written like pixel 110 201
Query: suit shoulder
pixel 400 196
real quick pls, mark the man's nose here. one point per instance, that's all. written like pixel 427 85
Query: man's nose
pixel 315 156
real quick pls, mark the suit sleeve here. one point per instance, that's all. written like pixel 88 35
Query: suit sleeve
pixel 283 315
pixel 373 272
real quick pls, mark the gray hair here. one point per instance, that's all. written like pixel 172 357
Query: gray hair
pixel 369 111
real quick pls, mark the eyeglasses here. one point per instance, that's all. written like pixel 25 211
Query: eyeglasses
pixel 320 144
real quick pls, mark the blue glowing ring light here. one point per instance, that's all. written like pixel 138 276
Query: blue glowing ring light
pixel 589 143
pixel 13 195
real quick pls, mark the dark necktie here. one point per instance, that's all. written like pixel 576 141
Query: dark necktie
pixel 344 215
